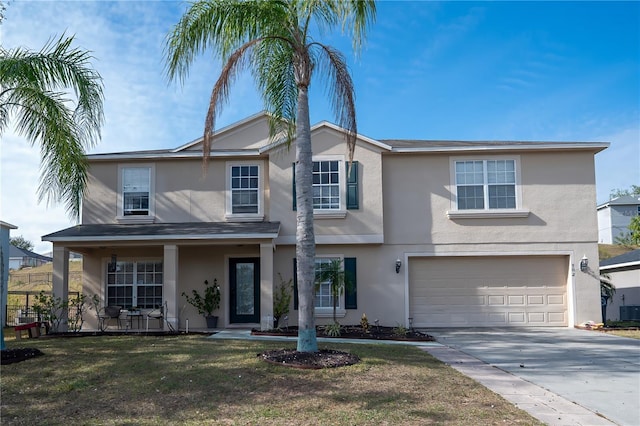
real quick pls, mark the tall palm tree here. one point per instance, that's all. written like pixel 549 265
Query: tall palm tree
pixel 272 39
pixel 35 89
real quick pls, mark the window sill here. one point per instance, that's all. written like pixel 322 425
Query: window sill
pixel 328 313
pixel 488 214
pixel 244 217
pixel 329 214
pixel 135 219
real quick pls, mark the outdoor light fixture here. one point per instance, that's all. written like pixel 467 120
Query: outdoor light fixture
pixel 112 264
pixel 584 263
pixel 398 265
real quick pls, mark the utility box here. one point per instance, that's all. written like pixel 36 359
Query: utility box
pixel 630 313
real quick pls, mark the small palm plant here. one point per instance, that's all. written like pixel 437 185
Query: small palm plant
pixel 334 274
pixel 607 291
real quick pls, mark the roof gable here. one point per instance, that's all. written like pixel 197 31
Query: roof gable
pixel 250 133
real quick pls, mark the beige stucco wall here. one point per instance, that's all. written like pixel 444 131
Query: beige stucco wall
pixel 252 133
pixel 358 225
pixel 557 187
pixel 182 192
pixel 380 290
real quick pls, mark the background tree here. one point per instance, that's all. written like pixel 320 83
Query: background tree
pixel 631 238
pixel 35 89
pixel 21 242
pixel 272 39
pixel 634 191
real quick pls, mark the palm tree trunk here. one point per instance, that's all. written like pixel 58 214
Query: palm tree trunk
pixel 305 238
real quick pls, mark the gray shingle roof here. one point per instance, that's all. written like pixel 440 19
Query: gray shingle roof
pixel 164 231
pixel 19 252
pixel 632 256
pixel 624 201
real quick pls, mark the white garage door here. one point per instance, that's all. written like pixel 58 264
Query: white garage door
pixel 488 291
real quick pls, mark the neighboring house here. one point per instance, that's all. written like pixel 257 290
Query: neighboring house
pixel 22 258
pixel 624 272
pixel 72 256
pixel 5 230
pixel 432 233
pixel 614 217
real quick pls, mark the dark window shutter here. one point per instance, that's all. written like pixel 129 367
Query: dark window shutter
pixel 295 284
pixel 293 184
pixel 351 289
pixel 352 186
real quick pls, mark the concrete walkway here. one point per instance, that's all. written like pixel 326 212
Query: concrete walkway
pixel 494 358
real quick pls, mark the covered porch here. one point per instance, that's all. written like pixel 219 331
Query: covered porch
pixel 146 267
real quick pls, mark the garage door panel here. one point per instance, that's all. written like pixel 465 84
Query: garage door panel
pixel 556 299
pixel 488 291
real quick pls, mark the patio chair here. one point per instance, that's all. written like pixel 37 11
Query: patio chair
pixel 160 315
pixel 109 313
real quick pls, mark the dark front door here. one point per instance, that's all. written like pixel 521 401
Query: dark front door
pixel 244 282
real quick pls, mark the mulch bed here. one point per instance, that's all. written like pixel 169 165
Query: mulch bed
pixel 356 332
pixel 9 356
pixel 324 358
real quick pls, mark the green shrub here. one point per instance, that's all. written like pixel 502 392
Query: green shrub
pixel 333 330
pixel 400 330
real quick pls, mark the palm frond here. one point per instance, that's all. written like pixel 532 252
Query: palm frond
pixel 58 66
pixel 35 91
pixel 220 93
pixel 341 91
pixel 220 25
pixel 272 68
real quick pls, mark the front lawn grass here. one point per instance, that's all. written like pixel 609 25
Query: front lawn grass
pixel 193 380
pixel 634 334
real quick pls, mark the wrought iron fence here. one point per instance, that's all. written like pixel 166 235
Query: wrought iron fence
pixel 20 306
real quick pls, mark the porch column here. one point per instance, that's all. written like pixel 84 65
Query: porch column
pixel 266 283
pixel 61 280
pixel 170 289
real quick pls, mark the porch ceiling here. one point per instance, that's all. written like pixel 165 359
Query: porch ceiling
pixel 166 231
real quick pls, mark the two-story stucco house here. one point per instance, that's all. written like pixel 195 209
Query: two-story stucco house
pixel 434 233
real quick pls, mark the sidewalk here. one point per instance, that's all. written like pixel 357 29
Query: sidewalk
pixel 542 404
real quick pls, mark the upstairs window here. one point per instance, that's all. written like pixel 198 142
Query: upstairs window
pixel 485 184
pixel 244 195
pixel 136 191
pixel 244 189
pixel 326 185
pixel 335 187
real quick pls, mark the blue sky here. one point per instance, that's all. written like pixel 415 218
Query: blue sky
pixel 546 71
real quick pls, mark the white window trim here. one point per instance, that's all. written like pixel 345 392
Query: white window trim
pixel 135 260
pixel 486 213
pixel 244 217
pixel 341 212
pixel 341 312
pixel 120 217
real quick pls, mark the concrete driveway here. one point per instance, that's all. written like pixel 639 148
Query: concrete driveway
pixel 597 371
